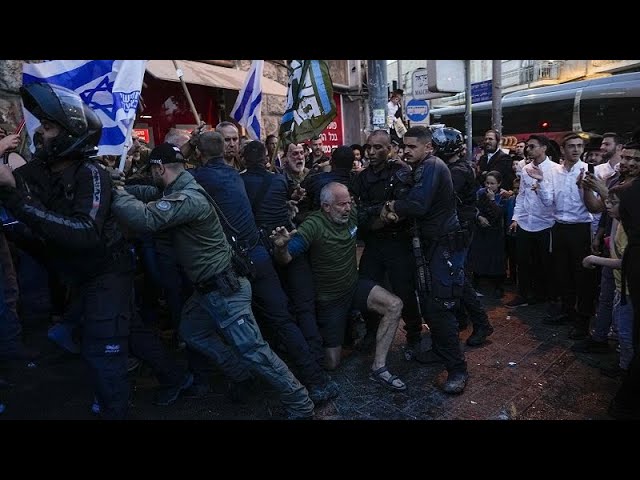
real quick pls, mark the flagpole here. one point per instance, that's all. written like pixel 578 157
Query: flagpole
pixel 127 145
pixel 186 92
pixel 272 160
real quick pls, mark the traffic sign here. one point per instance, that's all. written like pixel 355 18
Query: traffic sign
pixel 417 110
pixel 420 86
pixel 481 91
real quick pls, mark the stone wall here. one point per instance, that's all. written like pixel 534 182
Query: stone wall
pixel 10 82
pixel 273 105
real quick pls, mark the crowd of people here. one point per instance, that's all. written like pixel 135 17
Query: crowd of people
pixel 251 251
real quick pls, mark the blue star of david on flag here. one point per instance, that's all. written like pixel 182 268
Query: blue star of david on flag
pixel 110 87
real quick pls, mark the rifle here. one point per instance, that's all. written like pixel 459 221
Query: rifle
pixel 423 275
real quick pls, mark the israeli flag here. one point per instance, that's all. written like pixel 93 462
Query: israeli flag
pixel 110 87
pixel 246 111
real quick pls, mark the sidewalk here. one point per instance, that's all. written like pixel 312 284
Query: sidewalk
pixel 526 371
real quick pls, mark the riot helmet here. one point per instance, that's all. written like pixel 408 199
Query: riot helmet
pixel 447 142
pixel 81 127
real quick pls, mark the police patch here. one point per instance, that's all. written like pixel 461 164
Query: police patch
pixel 163 205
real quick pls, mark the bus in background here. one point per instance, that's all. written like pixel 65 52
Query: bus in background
pixel 608 104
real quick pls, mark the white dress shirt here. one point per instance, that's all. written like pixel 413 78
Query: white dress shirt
pixel 561 192
pixel 605 170
pixel 530 213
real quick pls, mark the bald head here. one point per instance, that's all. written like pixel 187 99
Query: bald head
pixel 335 201
pixel 231 138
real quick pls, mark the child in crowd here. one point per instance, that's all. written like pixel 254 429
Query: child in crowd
pixel 622 311
pixel 486 255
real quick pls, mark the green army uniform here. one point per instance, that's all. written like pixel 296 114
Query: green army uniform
pixel 201 247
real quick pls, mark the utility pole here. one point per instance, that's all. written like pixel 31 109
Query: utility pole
pixel 377 83
pixel 496 106
pixel 468 118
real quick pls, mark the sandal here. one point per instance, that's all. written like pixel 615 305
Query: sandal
pixel 376 376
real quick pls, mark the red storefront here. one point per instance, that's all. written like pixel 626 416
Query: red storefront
pixel 166 107
pixel 213 90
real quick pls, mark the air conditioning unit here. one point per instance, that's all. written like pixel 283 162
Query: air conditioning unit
pixel 345 74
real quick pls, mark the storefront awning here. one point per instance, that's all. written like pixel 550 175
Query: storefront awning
pixel 209 75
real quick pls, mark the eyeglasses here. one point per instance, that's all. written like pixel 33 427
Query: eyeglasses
pixel 629 158
pixel 531 145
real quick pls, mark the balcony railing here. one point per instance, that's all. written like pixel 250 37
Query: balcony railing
pixel 540 70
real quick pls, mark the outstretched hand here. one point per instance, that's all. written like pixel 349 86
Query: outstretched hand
pixel 281 236
pixel 298 194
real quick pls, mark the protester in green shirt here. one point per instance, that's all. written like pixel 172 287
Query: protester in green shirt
pixel 329 235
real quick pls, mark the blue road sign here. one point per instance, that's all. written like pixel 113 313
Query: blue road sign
pixel 481 91
pixel 417 110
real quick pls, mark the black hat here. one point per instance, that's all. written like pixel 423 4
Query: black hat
pixel 166 153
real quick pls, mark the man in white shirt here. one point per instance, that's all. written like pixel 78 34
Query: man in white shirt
pixel 610 147
pixel 576 285
pixel 394 110
pixel 532 222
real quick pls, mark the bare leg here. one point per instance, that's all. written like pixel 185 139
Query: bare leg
pixel 389 306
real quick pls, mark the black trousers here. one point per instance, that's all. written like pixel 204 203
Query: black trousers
pixel 534 263
pixel 297 280
pixel 471 308
pixel 106 311
pixel 270 306
pixel 575 284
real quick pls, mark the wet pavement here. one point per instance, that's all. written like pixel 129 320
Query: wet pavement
pixel 525 371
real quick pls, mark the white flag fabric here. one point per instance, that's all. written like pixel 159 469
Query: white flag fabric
pixel 248 105
pixel 110 87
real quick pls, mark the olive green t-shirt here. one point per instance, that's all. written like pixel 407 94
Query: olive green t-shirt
pixel 617 247
pixel 332 252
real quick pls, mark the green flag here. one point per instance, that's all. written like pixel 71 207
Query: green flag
pixel 310 105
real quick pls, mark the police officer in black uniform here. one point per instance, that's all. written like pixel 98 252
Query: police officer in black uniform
pixel 387 245
pixel 431 204
pixel 63 196
pixel 448 144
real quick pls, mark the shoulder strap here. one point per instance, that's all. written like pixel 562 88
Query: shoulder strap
pixel 230 228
